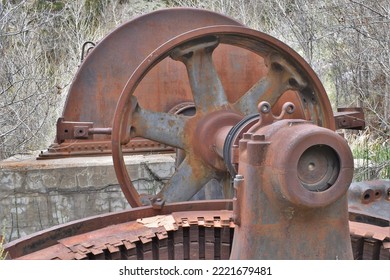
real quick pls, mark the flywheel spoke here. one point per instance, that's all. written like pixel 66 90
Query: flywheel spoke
pixel 189 178
pixel 206 86
pixel 282 76
pixel 161 127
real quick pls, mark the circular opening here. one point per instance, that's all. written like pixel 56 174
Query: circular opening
pixel 378 194
pixel 368 196
pixel 318 168
pixel 290 109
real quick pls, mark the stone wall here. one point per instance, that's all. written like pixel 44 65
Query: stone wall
pixel 38 194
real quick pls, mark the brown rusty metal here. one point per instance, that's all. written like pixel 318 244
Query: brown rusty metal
pixel 285 71
pixel 97 85
pixel 350 118
pixel 72 130
pixel 95 90
pixel 41 240
pixel 370 242
pixel 189 230
pixel 298 174
pixel 264 119
pixel 93 94
pixel 79 148
pixel 78 130
pixel 369 202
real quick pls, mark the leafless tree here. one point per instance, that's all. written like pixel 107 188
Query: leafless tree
pixel 27 94
pixel 40 48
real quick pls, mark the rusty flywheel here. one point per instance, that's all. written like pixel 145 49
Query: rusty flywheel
pixel 286 77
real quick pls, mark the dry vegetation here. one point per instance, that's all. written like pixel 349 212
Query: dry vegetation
pixel 347 42
pixel 3 254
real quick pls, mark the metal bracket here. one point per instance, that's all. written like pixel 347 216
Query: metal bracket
pixel 349 118
pixel 77 130
pixel 72 130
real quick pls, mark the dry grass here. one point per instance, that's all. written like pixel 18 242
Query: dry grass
pixel 3 254
pixel 372 156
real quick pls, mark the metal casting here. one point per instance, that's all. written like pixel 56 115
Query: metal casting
pixel 287 74
pixel 369 202
pixel 302 189
pixel 239 107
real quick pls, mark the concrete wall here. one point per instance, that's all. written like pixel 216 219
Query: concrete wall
pixel 38 194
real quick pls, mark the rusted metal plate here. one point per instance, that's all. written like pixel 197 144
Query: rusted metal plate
pixel 370 242
pixel 369 231
pixel 350 118
pixel 369 202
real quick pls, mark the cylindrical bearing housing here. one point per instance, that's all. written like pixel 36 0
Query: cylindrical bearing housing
pixel 310 165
